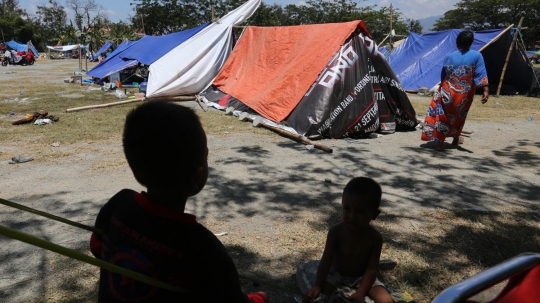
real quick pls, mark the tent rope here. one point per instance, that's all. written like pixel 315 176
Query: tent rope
pixel 23 237
pixel 532 67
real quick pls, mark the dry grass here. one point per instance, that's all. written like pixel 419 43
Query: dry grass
pixel 498 108
pixel 448 247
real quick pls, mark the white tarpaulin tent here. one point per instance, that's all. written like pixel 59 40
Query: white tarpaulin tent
pixel 192 65
pixel 65 48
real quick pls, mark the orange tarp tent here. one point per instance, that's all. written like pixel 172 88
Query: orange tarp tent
pixel 276 66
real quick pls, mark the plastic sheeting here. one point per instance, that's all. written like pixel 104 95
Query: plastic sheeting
pixel 191 66
pixel 419 60
pixel 112 62
pixel 65 48
pixel 147 50
pixel 101 50
pixel 272 77
pixel 22 46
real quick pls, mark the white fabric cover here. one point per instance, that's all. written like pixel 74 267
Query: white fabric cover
pixel 64 48
pixel 191 66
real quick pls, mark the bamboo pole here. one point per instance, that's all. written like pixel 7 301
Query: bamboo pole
pixel 492 40
pixel 175 98
pixel 522 49
pixel 69 110
pixel 80 63
pixel 26 238
pixel 201 103
pixel 50 216
pixel 508 56
pixel 298 138
pixel 391 43
pixel 496 37
pixel 384 40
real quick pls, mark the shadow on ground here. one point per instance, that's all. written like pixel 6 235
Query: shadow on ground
pixel 445 215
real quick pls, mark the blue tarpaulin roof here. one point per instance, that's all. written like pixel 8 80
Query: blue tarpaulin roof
pixel 418 61
pixel 112 62
pixel 22 47
pixel 146 50
pixel 101 50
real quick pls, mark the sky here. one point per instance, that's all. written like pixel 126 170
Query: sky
pixel 118 10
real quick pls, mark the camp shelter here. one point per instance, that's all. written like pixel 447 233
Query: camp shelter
pixel 419 60
pixel 65 48
pixel 145 50
pixel 321 80
pixel 192 65
pixel 22 47
pixel 120 48
pixel 102 49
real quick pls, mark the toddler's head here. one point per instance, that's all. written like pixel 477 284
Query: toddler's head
pixel 360 201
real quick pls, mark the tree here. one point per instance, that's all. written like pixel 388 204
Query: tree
pixel 87 11
pixel 50 23
pixel 167 16
pixel 414 26
pixel 160 16
pixel 13 21
pixel 492 14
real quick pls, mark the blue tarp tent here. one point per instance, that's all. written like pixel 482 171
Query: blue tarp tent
pixel 22 47
pixel 101 50
pixel 146 50
pixel 418 61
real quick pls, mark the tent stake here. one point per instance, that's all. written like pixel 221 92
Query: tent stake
pixel 508 56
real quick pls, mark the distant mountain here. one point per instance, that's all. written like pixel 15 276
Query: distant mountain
pixel 428 23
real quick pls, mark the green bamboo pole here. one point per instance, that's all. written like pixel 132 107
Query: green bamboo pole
pixel 47 215
pixel 26 238
pixel 97 262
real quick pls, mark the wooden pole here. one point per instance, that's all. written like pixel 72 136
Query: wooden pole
pixel 69 110
pixel 142 21
pixel 508 55
pixel 201 103
pixel 298 138
pixel 522 49
pixel 391 44
pixel 380 44
pixel 212 13
pixel 176 98
pixel 496 37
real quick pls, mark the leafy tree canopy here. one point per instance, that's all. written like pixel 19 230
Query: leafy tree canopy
pixel 494 14
pixel 167 16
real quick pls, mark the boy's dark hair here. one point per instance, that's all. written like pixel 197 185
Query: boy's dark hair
pixel 465 39
pixel 164 144
pixel 366 188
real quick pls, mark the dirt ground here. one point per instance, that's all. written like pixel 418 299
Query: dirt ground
pixel 264 191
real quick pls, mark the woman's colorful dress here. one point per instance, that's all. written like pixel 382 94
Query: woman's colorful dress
pixel 463 71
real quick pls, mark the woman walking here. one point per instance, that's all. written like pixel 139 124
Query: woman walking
pixel 462 73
